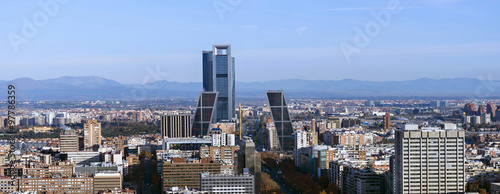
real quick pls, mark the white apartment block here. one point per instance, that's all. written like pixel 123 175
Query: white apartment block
pixel 429 160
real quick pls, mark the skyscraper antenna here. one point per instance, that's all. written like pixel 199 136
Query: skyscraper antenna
pixel 240 119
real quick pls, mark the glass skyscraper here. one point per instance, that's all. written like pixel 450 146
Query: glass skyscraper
pixel 281 119
pixel 204 113
pixel 218 75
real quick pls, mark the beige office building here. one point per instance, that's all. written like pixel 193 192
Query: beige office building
pixel 175 126
pixel 107 180
pixel 69 143
pixel 56 185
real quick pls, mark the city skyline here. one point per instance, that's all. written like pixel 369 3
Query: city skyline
pixel 382 97
pixel 122 40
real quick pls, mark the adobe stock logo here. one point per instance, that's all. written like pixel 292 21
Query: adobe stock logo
pixel 371 30
pixel 223 6
pixel 40 19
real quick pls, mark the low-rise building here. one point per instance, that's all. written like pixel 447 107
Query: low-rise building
pixel 223 183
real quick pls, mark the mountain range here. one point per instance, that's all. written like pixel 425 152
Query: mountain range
pixel 97 88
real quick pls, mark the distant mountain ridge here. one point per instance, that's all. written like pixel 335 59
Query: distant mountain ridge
pixel 97 88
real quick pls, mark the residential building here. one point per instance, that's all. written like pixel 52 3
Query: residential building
pixel 7 185
pixel 429 160
pixel 361 181
pixel 91 133
pixel 495 188
pixel 218 153
pixel 56 185
pixel 223 139
pixel 387 121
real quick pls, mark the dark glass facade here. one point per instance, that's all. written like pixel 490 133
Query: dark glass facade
pixel 208 71
pixel 204 113
pixel 281 119
pixel 218 75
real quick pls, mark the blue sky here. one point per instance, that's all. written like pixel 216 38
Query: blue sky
pixel 126 40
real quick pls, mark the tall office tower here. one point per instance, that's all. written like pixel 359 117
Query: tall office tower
pixel 137 117
pixel 387 121
pixel 481 110
pixel 204 114
pixel 491 109
pixel 249 159
pixel 69 141
pixel 218 75
pixel 281 118
pixel 313 125
pixel 175 126
pixel 49 118
pixel 470 109
pixel 91 133
pixel 429 160
pixel 497 114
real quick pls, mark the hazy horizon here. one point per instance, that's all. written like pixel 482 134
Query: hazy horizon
pixel 483 79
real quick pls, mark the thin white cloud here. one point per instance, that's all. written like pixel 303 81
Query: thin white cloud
pixel 366 8
pixel 250 26
pixel 440 1
pixel 301 29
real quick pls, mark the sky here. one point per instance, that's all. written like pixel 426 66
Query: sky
pixel 139 41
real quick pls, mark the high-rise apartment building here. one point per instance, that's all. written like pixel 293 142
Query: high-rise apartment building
pixel 49 118
pixel 204 114
pixel 470 109
pixel 481 110
pixel 175 126
pixel 387 121
pixel 137 117
pixel 91 133
pixel 219 75
pixel 281 119
pixel 429 160
pixel 491 109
